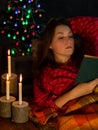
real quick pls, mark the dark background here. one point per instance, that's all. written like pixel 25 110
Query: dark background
pixel 53 8
pixel 68 8
pixel 71 8
pixel 59 8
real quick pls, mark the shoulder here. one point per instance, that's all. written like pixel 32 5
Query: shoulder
pixel 47 71
pixel 52 72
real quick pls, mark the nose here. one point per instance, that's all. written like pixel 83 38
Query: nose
pixel 67 40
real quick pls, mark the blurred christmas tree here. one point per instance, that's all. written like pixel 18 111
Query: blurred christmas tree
pixel 23 21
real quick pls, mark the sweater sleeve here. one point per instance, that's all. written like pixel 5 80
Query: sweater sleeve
pixel 53 83
pixel 43 95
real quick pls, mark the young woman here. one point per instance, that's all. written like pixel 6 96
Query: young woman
pixel 57 63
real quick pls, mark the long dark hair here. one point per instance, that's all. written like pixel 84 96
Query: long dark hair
pixel 44 55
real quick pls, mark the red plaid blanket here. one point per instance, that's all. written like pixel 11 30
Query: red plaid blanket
pixel 79 114
pixel 85 119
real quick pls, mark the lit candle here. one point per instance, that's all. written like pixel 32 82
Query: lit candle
pixel 9 64
pixel 20 89
pixel 7 88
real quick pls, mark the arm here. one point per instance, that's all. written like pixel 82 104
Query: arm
pixel 80 90
pixel 43 96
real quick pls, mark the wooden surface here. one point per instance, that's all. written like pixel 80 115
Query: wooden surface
pixel 7 124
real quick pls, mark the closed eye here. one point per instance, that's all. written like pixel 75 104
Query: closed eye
pixel 71 36
pixel 60 37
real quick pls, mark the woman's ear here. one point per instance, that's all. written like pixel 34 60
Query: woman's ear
pixel 50 47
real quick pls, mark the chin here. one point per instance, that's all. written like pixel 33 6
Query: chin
pixel 69 53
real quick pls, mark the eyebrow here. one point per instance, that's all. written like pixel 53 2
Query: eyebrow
pixel 63 33
pixel 59 33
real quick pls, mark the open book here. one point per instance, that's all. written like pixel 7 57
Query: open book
pixel 88 69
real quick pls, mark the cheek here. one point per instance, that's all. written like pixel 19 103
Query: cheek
pixel 73 44
pixel 53 45
pixel 57 46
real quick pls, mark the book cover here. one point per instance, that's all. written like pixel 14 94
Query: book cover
pixel 88 69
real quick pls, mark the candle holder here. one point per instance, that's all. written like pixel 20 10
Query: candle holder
pixel 20 113
pixel 13 84
pixel 6 106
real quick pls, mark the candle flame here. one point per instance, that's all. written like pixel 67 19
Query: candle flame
pixel 9 52
pixel 20 77
pixel 7 77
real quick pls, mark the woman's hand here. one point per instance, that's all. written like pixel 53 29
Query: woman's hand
pixel 80 90
pixel 94 84
pixel 84 88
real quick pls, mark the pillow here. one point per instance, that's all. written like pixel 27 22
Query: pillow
pixel 87 27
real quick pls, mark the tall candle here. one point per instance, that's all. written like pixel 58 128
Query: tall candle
pixel 20 89
pixel 9 63
pixel 7 88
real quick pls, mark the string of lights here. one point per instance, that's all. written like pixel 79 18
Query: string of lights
pixel 23 21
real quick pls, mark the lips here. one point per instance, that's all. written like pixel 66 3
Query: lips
pixel 69 47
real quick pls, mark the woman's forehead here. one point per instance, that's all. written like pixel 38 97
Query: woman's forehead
pixel 62 29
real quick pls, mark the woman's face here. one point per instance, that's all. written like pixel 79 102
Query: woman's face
pixel 62 43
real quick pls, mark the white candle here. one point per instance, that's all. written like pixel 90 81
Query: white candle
pixel 7 88
pixel 9 63
pixel 20 89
